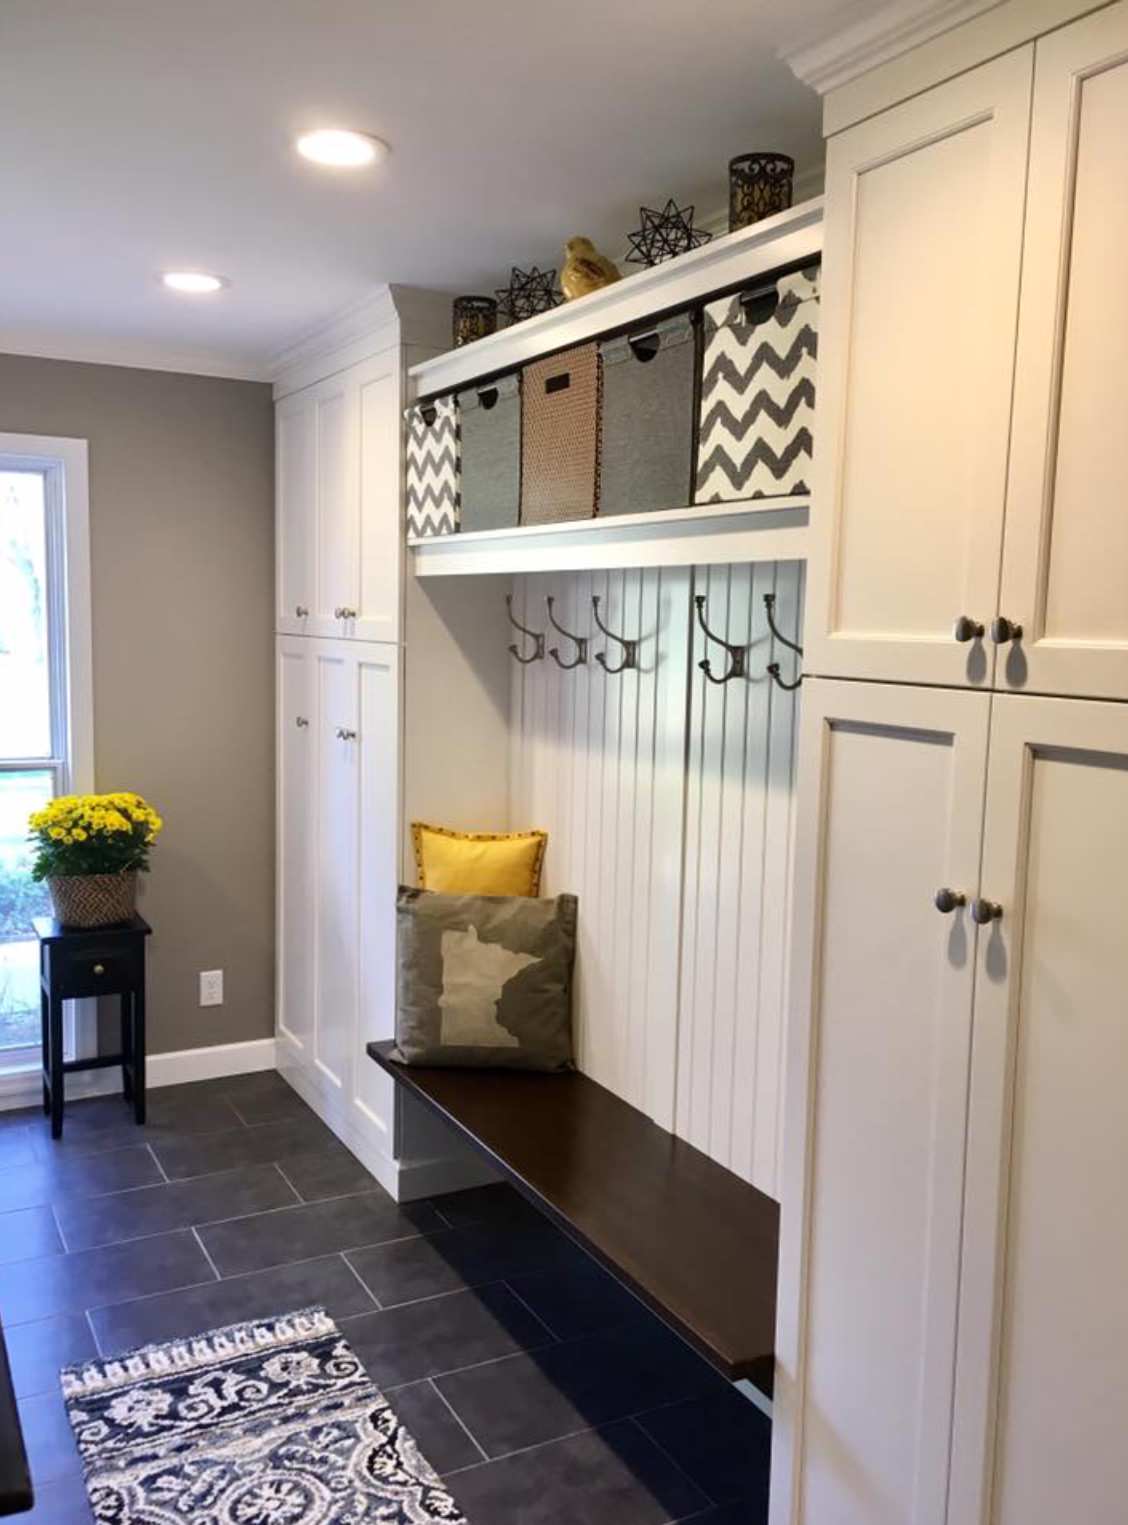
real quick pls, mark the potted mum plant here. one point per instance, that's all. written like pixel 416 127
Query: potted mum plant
pixel 90 849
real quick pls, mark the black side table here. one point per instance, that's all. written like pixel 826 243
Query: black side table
pixel 78 962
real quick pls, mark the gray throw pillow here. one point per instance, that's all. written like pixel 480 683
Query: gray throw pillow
pixel 484 980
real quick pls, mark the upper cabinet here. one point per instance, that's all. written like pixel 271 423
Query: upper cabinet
pixel 1065 561
pixel 920 298
pixel 339 469
pixel 338 504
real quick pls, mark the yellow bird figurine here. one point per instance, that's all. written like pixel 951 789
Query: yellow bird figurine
pixel 585 269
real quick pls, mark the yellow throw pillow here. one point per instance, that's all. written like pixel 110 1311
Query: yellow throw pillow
pixel 478 862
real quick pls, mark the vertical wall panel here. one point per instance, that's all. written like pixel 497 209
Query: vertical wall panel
pixel 668 803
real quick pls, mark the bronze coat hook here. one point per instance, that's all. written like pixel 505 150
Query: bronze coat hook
pixel 536 636
pixel 630 648
pixel 579 641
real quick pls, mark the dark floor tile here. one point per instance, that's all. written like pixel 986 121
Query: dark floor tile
pixel 579 1299
pixel 35 1289
pixel 105 1122
pixel 400 1345
pixel 327 1283
pixel 27 1233
pixel 61 1175
pixel 259 1145
pixel 37 1350
pixel 723 1443
pixel 451 1259
pixel 61 1503
pixel 614 1476
pixel 497 1206
pixel 18 1132
pixel 177 1204
pixel 331 1172
pixel 267 1099
pixel 528 1399
pixel 438 1434
pixel 297 1233
pixel 48 1438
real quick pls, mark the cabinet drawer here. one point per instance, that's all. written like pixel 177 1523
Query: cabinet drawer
pixel 94 971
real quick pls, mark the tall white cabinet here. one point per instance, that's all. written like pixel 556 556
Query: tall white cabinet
pixel 340 666
pixel 953 1333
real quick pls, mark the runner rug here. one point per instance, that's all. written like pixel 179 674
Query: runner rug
pixel 267 1423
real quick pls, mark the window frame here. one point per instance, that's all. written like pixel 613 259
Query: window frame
pixel 63 463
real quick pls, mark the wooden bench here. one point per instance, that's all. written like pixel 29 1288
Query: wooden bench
pixel 696 1243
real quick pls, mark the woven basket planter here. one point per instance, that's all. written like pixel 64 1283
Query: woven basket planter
pixel 93 900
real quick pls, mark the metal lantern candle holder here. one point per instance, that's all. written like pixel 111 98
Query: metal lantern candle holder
pixel 474 318
pixel 759 185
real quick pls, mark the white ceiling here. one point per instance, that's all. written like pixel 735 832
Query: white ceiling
pixel 141 135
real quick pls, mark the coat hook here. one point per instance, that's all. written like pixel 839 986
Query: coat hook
pixel 535 636
pixel 736 653
pixel 630 648
pixel 580 641
pixel 773 667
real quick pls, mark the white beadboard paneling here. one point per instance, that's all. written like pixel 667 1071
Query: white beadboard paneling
pixel 668 804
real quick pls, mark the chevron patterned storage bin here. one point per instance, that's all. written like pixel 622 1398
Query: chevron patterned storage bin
pixel 758 393
pixel 646 454
pixel 560 437
pixel 433 469
pixel 490 424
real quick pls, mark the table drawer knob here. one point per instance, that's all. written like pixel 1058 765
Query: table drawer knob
pixel 99 968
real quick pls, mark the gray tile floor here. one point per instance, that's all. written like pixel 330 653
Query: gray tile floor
pixel 542 1391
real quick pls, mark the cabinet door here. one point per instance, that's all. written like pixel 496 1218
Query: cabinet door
pixel 1065 566
pixel 1044 1320
pixel 920 293
pixel 377 686
pixel 335 803
pixel 378 534
pixel 338 471
pixel 876 1102
pixel 295 496
pixel 297 769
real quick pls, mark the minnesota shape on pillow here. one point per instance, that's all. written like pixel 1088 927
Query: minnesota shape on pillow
pixel 485 980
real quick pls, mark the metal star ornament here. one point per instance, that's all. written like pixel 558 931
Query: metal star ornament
pixel 665 234
pixel 529 292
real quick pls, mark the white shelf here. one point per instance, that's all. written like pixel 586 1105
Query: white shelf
pixel 787 237
pixel 758 529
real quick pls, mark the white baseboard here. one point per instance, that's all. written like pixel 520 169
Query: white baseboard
pixel 24 1087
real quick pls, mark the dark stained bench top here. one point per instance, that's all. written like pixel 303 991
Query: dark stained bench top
pixel 695 1242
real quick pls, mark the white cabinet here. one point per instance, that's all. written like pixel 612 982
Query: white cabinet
pixel 868 1295
pixel 916 353
pixel 1043 1345
pixel 339 538
pixel 338 809
pixel 1065 566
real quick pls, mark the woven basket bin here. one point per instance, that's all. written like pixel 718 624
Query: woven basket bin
pixel 93 900
pixel 560 437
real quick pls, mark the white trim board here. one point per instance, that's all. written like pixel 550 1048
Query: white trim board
pixel 24 1088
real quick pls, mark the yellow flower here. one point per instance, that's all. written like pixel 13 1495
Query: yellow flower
pixel 56 832
pixel 79 834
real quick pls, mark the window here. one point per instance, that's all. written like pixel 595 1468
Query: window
pixel 45 712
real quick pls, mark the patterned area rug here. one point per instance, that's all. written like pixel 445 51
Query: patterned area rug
pixel 268 1423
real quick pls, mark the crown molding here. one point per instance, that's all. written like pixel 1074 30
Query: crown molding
pixel 896 28
pixel 383 317
pixel 133 354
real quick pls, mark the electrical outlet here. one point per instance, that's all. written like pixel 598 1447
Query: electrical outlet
pixel 211 987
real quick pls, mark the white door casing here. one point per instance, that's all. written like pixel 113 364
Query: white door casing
pixel 297 726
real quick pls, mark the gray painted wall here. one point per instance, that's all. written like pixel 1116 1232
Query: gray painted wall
pixel 182 555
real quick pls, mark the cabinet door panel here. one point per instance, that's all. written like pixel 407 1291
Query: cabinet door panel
pixel 337 853
pixel 377 679
pixel 337 471
pixel 1046 1236
pixel 379 531
pixel 923 248
pixel 1065 570
pixel 295 491
pixel 297 732
pixel 878 1061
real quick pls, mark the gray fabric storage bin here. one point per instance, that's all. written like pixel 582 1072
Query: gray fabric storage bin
pixel 491 455
pixel 648 416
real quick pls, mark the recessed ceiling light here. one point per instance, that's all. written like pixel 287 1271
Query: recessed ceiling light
pixel 194 282
pixel 339 148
